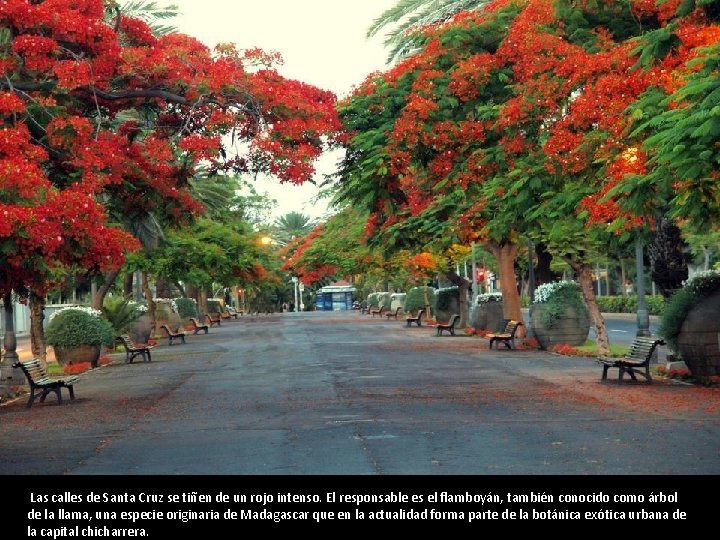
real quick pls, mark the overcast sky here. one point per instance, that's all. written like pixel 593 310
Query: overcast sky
pixel 322 42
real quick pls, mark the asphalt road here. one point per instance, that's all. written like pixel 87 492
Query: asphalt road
pixel 344 393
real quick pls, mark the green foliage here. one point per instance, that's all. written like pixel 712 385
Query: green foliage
pixel 187 307
pixel 378 299
pixel 206 253
pixel 680 304
pixel 628 304
pixel 121 313
pixel 373 300
pixel 555 298
pixel 444 297
pixel 683 143
pixel 70 327
pixel 419 297
pixel 214 306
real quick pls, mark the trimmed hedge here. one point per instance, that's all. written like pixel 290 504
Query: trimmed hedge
pixel 415 298
pixel 187 307
pixel 214 306
pixel 377 299
pixel 628 304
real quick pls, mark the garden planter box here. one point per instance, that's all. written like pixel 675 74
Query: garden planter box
pixel 699 338
pixel 572 328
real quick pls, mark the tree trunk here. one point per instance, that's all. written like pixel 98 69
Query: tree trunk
pixel 99 298
pixel 583 271
pixel 427 303
pixel 543 273
pixel 37 334
pixel 623 278
pixel 202 301
pixel 463 286
pixel 164 288
pixel 152 306
pixel 128 286
pixel 505 255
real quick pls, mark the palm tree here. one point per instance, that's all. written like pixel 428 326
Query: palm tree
pixel 292 225
pixel 147 10
pixel 410 15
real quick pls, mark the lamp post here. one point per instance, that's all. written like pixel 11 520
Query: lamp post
pixel 295 289
pixel 643 318
pixel 475 283
pixel 9 375
pixel 301 286
pixel 531 284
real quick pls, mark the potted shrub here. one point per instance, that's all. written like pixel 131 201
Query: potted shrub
pixel 691 324
pixel 122 314
pixel 186 309
pixel 559 315
pixel 77 334
pixel 487 312
pixel 447 303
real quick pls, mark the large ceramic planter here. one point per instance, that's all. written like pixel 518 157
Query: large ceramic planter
pixel 572 328
pixel 77 354
pixel 487 316
pixel 397 300
pixel 699 338
pixel 140 330
pixel 444 315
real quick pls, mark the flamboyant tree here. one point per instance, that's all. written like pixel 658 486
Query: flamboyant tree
pixel 104 118
pixel 332 250
pixel 512 122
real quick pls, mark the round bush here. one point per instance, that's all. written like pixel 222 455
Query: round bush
pixel 187 307
pixel 71 327
pixel 418 298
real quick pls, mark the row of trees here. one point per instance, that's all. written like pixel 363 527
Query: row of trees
pixel 118 137
pixel 582 126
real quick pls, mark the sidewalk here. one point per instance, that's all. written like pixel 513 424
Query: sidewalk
pixel 24 350
pixel 338 393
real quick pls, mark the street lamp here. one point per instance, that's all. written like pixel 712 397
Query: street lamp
pixel 643 317
pixel 301 286
pixel 531 285
pixel 295 288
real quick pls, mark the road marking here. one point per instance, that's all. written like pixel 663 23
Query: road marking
pixel 370 437
pixel 621 331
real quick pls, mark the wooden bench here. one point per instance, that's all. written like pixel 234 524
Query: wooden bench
pixel 449 327
pixel 379 311
pixel 636 361
pixel 417 319
pixel 393 314
pixel 39 380
pixel 197 327
pixel 506 336
pixel 214 321
pixel 133 349
pixel 172 336
pixel 231 312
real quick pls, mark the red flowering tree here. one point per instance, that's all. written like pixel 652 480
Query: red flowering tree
pixel 335 249
pixel 104 118
pixel 511 123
